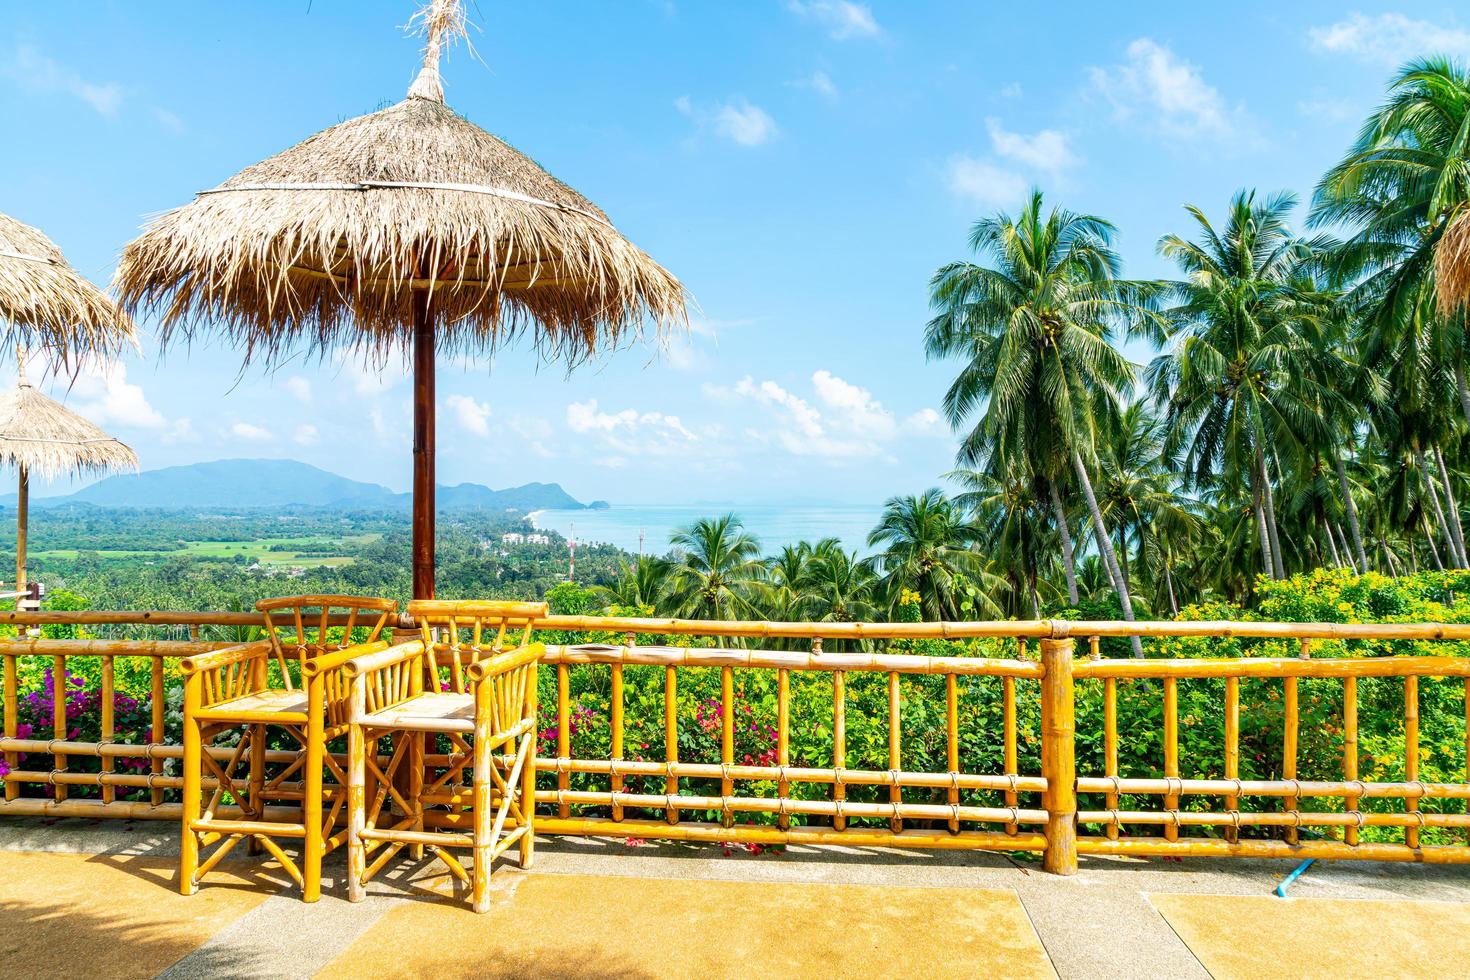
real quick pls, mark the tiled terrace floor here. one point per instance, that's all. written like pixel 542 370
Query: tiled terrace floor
pixel 98 900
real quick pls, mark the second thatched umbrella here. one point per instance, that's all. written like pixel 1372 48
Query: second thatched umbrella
pixel 40 435
pixel 410 228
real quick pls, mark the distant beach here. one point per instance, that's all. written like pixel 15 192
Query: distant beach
pixel 775 526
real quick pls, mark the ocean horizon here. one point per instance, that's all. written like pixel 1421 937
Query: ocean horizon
pixel 774 525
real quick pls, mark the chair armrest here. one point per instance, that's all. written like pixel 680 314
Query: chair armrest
pixel 225 657
pixel 499 664
pixel 330 661
pixel 364 665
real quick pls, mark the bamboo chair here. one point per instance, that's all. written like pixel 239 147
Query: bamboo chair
pixel 469 683
pixel 235 690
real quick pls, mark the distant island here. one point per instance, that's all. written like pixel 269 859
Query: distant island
pixel 273 483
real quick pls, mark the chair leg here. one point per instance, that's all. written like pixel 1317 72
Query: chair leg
pixel 189 843
pixel 528 801
pixel 256 734
pixel 356 810
pixel 483 819
pixel 415 765
pixel 311 816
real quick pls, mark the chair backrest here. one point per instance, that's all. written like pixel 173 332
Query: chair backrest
pixel 458 633
pixel 306 622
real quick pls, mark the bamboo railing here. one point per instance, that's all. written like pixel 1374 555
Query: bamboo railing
pixel 1057 811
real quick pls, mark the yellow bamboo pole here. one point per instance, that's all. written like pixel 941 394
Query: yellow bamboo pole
pixel 1171 750
pixel 193 766
pixel 1110 741
pixel 109 725
pixel 357 738
pixel 616 721
pixel 783 740
pixel 528 774
pixel 1288 749
pixel 727 735
pixel 1008 736
pixel 895 741
pixel 952 742
pixel 671 737
pixel 1232 747
pixel 1059 756
pixel 60 690
pixel 563 736
pixel 1350 748
pixel 483 813
pixel 12 721
pixel 839 747
pixel 1411 753
pixel 157 736
pixel 311 778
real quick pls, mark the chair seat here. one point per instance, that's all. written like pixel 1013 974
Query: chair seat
pixel 432 711
pixel 290 705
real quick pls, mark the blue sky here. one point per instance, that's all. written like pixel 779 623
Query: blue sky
pixel 802 165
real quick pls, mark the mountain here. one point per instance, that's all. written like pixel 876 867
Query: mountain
pixel 245 483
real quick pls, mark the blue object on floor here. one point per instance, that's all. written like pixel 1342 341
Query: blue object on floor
pixel 1286 883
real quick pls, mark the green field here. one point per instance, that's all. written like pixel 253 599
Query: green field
pixel 259 550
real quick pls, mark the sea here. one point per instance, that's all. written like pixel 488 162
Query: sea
pixel 775 526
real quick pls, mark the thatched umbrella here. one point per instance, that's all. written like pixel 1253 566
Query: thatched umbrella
pixel 45 303
pixel 408 229
pixel 1452 265
pixel 40 435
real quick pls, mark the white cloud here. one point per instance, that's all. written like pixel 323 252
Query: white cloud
pixel 1011 90
pixel 306 435
pixel 107 397
pixel 984 182
pixel 35 71
pixel 181 431
pixel 168 119
pixel 821 83
pixel 1154 84
pixel 250 433
pixel 1046 150
pixel 472 416
pixel 926 422
pixel 300 388
pixel 737 120
pixel 630 432
pixel 842 19
pixel 368 377
pixel 1390 39
pixel 847 422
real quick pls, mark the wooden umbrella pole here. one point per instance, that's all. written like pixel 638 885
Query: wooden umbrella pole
pixel 423 448
pixel 22 518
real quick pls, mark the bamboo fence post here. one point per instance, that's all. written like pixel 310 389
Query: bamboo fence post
pixel 1059 756
pixel 839 747
pixel 528 774
pixel 1466 690
pixel 616 721
pixel 12 723
pixel 1350 750
pixel 1094 647
pixel 1232 748
pixel 783 742
pixel 1008 710
pixel 157 736
pixel 671 738
pixel 1288 750
pixel 59 692
pixel 727 740
pixel 109 728
pixel 952 744
pixel 895 750
pixel 1411 752
pixel 1110 745
pixel 193 764
pixel 357 750
pixel 563 741
pixel 484 813
pixel 1171 753
pixel 311 789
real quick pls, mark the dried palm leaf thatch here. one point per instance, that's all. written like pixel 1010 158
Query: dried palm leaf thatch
pixel 40 435
pixel 45 303
pixel 332 242
pixel 1452 265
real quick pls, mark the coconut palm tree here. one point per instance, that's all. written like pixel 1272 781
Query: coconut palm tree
pixel 640 584
pixel 1035 326
pixel 716 573
pixel 926 547
pixel 838 586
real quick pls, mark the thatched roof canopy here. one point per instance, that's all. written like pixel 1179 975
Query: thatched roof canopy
pixel 45 303
pixel 43 436
pixel 1452 266
pixel 330 242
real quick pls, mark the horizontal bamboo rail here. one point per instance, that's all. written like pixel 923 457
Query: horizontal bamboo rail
pixel 680 799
